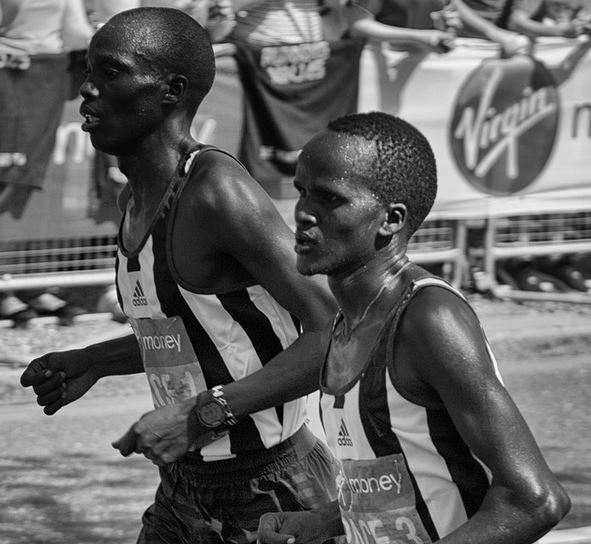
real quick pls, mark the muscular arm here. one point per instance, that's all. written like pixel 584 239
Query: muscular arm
pixel 247 226
pixel 524 500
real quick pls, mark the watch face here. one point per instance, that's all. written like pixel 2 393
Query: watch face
pixel 211 414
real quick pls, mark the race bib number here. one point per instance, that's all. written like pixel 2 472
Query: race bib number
pixel 377 502
pixel 172 368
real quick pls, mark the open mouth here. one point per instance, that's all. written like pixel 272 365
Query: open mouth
pixel 90 121
pixel 304 243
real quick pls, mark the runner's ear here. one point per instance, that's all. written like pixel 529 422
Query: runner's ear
pixel 176 88
pixel 395 220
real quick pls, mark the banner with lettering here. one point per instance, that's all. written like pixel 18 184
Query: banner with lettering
pixel 511 136
pixel 291 92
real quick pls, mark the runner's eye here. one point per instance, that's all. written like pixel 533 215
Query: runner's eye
pixel 110 73
pixel 299 189
pixel 329 198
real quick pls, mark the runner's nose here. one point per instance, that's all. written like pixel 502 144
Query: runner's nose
pixel 88 90
pixel 303 215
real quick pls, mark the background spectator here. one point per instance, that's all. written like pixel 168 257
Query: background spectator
pixel 294 58
pixel 35 40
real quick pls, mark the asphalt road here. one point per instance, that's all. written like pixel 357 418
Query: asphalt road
pixel 554 396
pixel 61 482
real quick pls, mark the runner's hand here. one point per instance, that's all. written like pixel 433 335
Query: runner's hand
pixel 292 528
pixel 160 435
pixel 59 378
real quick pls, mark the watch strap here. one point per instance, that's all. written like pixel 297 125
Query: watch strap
pixel 199 435
pixel 218 394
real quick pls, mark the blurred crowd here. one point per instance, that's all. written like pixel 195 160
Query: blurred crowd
pixel 433 24
pixel 45 41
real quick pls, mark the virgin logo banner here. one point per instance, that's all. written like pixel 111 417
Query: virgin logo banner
pixel 504 124
pixel 511 136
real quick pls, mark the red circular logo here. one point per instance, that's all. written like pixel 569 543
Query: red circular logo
pixel 504 124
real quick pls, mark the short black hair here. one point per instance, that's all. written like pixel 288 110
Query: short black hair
pixel 404 168
pixel 174 42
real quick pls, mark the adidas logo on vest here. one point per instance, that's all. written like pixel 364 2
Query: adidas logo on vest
pixel 344 438
pixel 138 297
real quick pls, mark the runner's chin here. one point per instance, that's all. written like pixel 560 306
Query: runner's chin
pixel 304 265
pixel 307 265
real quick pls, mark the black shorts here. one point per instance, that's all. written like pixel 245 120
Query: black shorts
pixel 223 501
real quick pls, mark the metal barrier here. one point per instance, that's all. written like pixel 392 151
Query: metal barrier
pixel 441 242
pixel 63 262
pixel 530 236
pixel 89 260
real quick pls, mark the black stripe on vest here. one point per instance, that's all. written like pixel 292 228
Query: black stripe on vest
pixel 133 264
pixel 466 472
pixel 245 435
pixel 373 400
pixel 257 327
pixel 117 290
pixel 254 322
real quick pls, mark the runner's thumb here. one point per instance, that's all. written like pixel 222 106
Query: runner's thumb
pixel 36 372
pixel 127 443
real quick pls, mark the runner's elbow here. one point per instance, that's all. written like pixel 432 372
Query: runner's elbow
pixel 550 506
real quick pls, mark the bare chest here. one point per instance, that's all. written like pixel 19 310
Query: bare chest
pixel 350 353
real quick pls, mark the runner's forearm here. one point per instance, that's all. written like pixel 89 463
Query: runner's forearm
pixel 116 357
pixel 293 373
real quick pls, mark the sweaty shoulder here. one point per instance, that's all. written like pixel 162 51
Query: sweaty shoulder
pixel 433 306
pixel 227 209
pixel 220 184
pixel 438 333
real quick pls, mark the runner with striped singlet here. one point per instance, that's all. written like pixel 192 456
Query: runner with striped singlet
pixel 206 275
pixel 432 448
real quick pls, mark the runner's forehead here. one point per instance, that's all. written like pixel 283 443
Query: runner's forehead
pixel 114 34
pixel 338 151
pixel 111 45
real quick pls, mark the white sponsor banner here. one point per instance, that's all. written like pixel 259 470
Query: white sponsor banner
pixel 511 136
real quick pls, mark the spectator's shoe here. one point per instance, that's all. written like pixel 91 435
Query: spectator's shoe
pixel 530 279
pixel 109 303
pixel 50 304
pixel 570 275
pixel 67 313
pixel 14 308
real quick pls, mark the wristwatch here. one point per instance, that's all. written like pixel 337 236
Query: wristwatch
pixel 212 410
